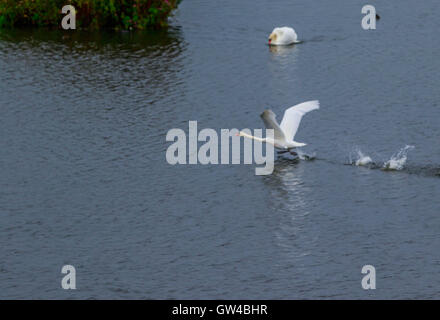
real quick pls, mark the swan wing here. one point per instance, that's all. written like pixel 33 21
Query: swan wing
pixel 292 117
pixel 290 35
pixel 270 121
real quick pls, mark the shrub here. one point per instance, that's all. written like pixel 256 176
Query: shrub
pixel 90 14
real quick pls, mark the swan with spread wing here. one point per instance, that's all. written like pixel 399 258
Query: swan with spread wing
pixel 284 133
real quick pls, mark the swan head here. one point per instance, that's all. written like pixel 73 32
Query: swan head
pixel 243 134
pixel 273 36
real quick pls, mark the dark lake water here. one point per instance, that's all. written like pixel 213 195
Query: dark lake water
pixel 84 179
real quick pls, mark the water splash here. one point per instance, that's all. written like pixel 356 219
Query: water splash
pixel 305 156
pixel 360 158
pixel 398 160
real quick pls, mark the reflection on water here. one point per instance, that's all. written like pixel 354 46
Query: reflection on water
pixel 282 50
pixel 284 55
pixel 102 76
pixel 288 194
pixel 283 65
pixel 93 61
pixel 83 40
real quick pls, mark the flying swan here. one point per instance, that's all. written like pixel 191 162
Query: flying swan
pixel 283 37
pixel 284 133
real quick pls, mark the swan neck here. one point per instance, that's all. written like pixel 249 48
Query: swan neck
pixel 243 134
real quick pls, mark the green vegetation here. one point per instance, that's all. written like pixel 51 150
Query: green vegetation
pixel 90 14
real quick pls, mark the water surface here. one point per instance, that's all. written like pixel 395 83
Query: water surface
pixel 84 179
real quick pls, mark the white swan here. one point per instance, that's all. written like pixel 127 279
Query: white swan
pixel 284 133
pixel 283 36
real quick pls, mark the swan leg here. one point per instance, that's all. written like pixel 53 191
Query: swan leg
pixel 293 153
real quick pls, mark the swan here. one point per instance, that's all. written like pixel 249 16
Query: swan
pixel 284 133
pixel 283 37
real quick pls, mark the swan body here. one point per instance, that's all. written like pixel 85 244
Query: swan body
pixel 283 37
pixel 284 133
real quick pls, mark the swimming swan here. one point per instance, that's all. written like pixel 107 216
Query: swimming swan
pixel 283 37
